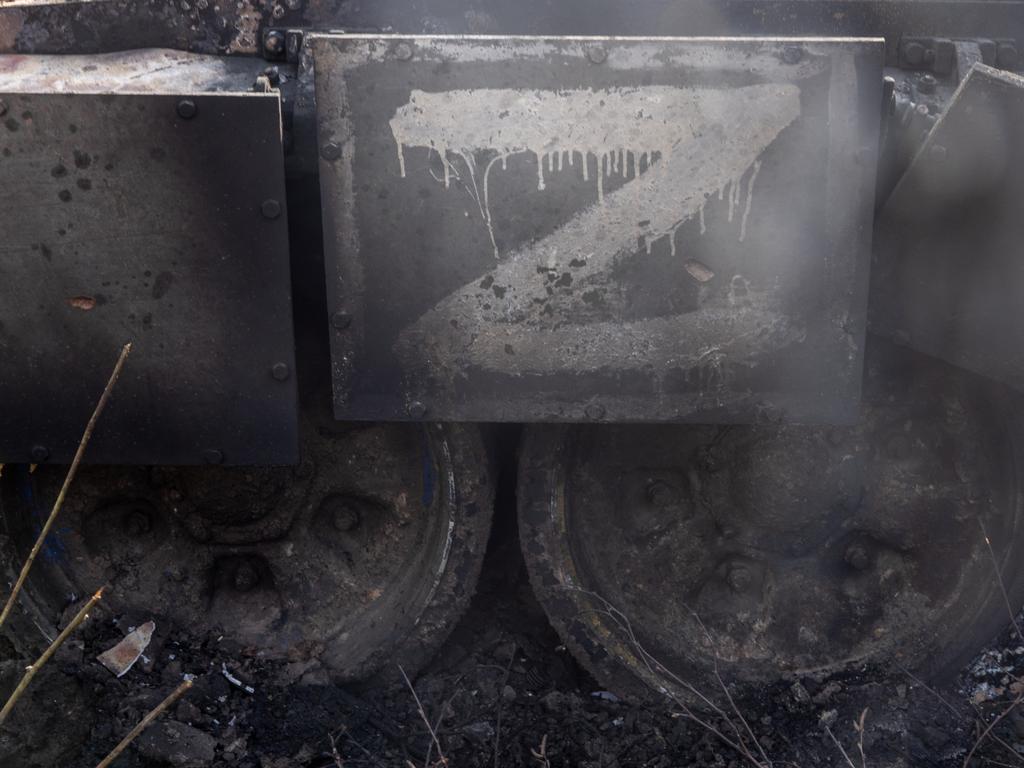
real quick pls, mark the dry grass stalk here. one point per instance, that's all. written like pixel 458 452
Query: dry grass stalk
pixel 541 753
pixel 158 710
pixel 742 741
pixel 72 471
pixel 31 671
pixel 999 579
pixel 441 759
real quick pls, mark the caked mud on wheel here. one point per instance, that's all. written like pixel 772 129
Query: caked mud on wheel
pixel 770 551
pixel 361 557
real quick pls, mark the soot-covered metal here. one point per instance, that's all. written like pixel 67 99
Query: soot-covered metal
pixel 156 217
pixel 947 278
pixel 565 229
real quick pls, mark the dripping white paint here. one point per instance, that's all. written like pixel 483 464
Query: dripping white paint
pixel 647 133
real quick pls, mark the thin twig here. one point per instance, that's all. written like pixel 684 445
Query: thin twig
pixel 999 578
pixel 423 716
pixel 501 701
pixel 30 672
pixel 541 755
pixel 334 752
pixel 176 694
pixel 957 714
pixel 993 724
pixel 839 746
pixel 72 471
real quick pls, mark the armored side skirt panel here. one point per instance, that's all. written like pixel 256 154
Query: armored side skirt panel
pixel 623 229
pixel 154 216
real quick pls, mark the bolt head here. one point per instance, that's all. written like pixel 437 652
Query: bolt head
pixel 213 456
pixel 660 493
pixel 330 151
pixel 270 209
pixel 138 522
pixel 273 41
pixel 739 578
pixel 280 371
pixel 339 513
pixel 594 411
pixel 403 51
pixel 187 109
pixel 245 577
pixel 39 453
pixel 597 54
pixel 345 519
pixel 857 557
pixel 792 54
pixel 341 320
pixel 417 409
pixel 927 83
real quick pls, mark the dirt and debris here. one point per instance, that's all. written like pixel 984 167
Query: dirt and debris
pixel 503 691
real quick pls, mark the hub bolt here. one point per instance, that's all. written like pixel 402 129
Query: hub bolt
pixel 857 557
pixel 660 494
pixel 138 522
pixel 245 577
pixel 739 578
pixel 340 513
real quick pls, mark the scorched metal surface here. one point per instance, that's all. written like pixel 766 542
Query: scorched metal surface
pixel 152 217
pixel 591 228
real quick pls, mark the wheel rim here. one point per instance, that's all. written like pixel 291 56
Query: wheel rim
pixel 363 554
pixel 761 551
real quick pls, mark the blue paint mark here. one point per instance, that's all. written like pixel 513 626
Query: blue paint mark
pixel 53 549
pixel 428 471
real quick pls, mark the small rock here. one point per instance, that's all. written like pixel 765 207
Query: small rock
pixel 508 693
pixel 799 693
pixel 479 733
pixel 553 702
pixel 187 712
pixel 176 743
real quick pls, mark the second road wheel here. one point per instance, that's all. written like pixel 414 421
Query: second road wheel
pixel 668 554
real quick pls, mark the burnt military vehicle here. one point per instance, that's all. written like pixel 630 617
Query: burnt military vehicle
pixel 748 272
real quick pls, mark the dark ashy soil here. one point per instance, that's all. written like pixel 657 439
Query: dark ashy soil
pixel 502 692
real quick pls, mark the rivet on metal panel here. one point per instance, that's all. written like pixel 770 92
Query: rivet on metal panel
pixel 403 51
pixel 187 109
pixel 792 54
pixel 273 42
pixel 594 411
pixel 270 209
pixel 341 320
pixel 417 409
pixel 213 456
pixel 280 371
pixel 330 151
pixel 597 54
pixel 3 107
pixel 39 453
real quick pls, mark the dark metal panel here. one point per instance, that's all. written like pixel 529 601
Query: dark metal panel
pixel 634 230
pixel 948 277
pixel 90 26
pixel 154 218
